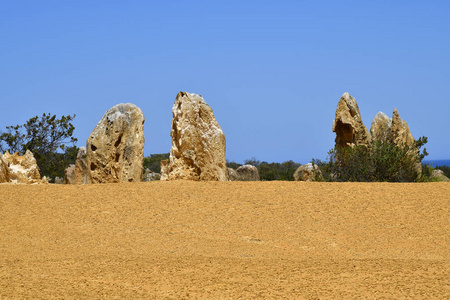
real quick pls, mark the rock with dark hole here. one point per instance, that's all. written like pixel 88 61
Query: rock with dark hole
pixel 348 125
pixel 198 142
pixel 115 148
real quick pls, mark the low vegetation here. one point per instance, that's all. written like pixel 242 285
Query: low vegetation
pixel 49 139
pixel 383 161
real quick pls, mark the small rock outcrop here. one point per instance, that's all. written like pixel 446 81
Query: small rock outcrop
pixel 69 174
pixel 150 176
pixel 233 175
pixel 82 172
pixel 115 148
pixel 198 142
pixel 248 173
pixel 308 172
pixel 59 180
pixel 164 169
pixel 348 124
pixel 439 175
pixel 20 169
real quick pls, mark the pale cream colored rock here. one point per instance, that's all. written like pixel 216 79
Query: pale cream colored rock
pixel 233 175
pixel 198 142
pixel 164 169
pixel 248 173
pixel 69 174
pixel 115 148
pixel 151 176
pixel 82 173
pixel 381 128
pixel 308 172
pixel 22 169
pixel 4 171
pixel 348 125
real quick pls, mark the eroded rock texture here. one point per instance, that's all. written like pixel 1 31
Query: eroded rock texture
pixel 348 124
pixel 198 142
pixel 308 172
pixel 21 169
pixel 4 171
pixel 115 148
pixel 380 130
pixel 232 174
pixel 248 173
pixel 400 130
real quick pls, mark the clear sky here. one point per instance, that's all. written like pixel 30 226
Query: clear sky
pixel 273 71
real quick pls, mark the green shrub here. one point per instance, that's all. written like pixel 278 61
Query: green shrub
pixel 153 162
pixel 382 161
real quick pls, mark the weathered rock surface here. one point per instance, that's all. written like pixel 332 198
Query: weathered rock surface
pixel 164 169
pixel 248 173
pixel 348 124
pixel 150 176
pixel 115 148
pixel 198 142
pixel 69 174
pixel 233 175
pixel 381 128
pixel 21 169
pixel 308 172
pixel 400 130
pixel 439 174
pixel 59 180
pixel 4 171
pixel 82 172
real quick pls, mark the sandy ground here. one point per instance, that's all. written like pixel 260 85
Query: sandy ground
pixel 228 240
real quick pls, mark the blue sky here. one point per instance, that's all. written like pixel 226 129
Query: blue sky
pixel 273 71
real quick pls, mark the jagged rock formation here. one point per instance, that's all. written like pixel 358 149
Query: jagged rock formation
pixel 393 130
pixel 150 176
pixel 248 173
pixel 198 142
pixel 400 130
pixel 308 172
pixel 4 171
pixel 233 175
pixel 115 148
pixel 381 127
pixel 82 171
pixel 15 168
pixel 348 124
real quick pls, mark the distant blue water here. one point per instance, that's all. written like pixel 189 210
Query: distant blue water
pixel 437 162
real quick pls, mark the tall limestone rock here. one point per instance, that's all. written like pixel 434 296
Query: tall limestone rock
pixel 348 124
pixel 381 128
pixel 79 173
pixel 400 130
pixel 198 142
pixel 4 170
pixel 115 148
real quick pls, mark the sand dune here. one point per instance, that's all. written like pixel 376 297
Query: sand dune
pixel 225 240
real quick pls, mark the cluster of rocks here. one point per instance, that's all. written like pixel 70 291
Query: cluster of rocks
pixel 114 151
pixel 15 168
pixel 350 129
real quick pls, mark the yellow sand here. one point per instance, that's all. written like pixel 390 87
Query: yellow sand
pixel 225 240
